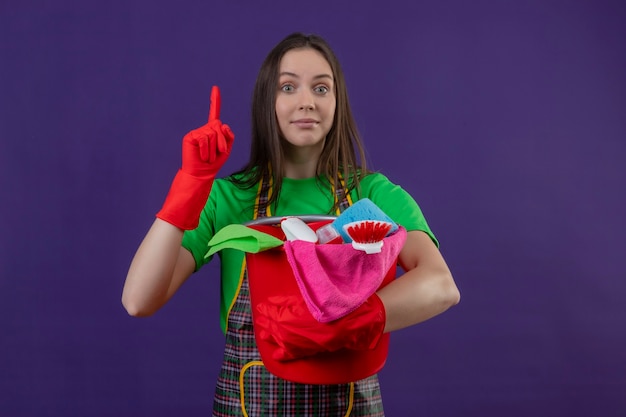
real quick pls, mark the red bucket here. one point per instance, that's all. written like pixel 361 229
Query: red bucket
pixel 269 274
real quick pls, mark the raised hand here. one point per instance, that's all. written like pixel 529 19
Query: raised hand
pixel 205 150
pixel 210 144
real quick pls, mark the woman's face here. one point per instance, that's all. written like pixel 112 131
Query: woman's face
pixel 305 101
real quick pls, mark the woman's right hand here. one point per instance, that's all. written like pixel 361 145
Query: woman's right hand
pixel 205 150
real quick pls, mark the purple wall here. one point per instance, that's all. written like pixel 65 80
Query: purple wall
pixel 506 121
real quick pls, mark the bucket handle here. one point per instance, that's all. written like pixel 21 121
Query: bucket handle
pixel 307 218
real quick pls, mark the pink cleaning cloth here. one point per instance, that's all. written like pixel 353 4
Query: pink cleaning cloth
pixel 335 279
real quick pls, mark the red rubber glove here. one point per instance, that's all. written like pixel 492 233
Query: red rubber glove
pixel 287 323
pixel 204 152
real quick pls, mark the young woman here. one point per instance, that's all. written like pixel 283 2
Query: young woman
pixel 306 158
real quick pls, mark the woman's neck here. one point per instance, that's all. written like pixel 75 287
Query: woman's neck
pixel 300 169
pixel 301 162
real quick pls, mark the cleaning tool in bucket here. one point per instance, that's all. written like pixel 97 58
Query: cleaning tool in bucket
pixel 296 229
pixel 367 235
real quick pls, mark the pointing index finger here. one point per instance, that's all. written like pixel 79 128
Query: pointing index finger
pixel 216 102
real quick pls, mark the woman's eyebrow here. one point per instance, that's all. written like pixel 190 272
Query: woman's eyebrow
pixel 291 74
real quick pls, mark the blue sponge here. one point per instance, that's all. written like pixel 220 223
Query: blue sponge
pixel 363 209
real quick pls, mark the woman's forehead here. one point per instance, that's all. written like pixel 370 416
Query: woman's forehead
pixel 303 61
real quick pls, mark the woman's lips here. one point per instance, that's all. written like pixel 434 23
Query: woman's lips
pixel 305 123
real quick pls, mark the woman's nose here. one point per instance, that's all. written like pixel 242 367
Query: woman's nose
pixel 307 101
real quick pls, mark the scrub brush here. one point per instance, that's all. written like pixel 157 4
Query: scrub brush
pixel 367 235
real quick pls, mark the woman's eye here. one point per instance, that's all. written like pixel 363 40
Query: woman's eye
pixel 321 89
pixel 287 88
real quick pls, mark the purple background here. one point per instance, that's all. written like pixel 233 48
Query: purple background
pixel 506 120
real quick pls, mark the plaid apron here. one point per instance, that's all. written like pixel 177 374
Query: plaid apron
pixel 246 388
